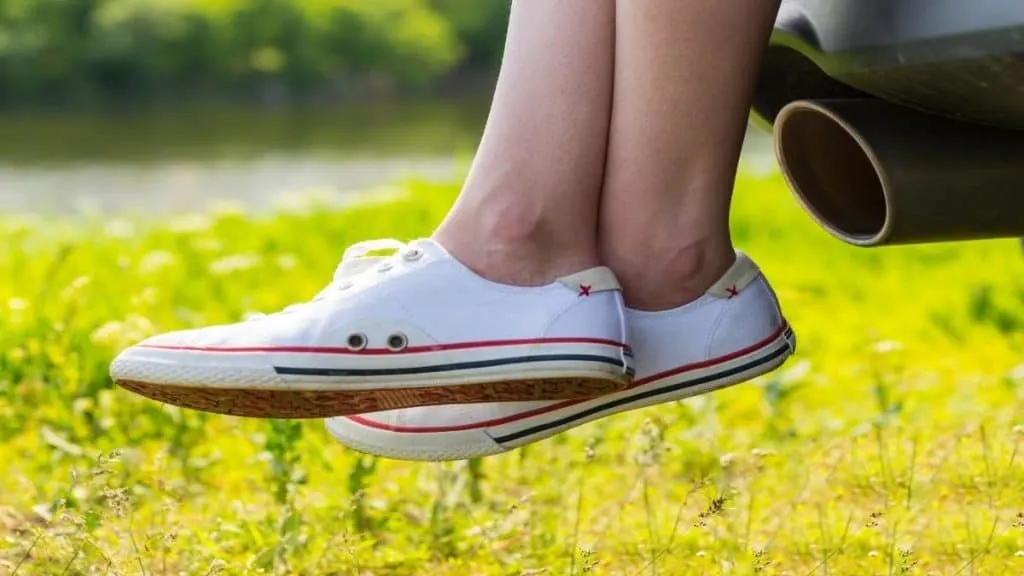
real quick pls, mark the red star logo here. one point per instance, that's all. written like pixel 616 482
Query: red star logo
pixel 584 290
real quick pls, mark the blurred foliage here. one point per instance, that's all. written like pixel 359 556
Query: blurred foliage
pixel 889 445
pixel 88 51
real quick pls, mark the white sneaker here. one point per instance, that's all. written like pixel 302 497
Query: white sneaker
pixel 731 334
pixel 416 328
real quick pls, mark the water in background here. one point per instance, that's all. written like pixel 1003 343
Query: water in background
pixel 184 160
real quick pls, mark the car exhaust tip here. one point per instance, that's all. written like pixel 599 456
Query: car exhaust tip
pixel 873 173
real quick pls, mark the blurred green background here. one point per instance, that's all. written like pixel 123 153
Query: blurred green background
pixel 890 445
pixel 93 52
pixel 169 106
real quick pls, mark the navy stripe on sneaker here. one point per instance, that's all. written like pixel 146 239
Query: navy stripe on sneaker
pixel 780 351
pixel 336 372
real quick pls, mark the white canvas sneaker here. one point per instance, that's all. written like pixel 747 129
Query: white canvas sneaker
pixel 729 335
pixel 416 328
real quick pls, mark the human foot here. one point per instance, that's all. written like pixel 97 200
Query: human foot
pixel 413 329
pixel 731 334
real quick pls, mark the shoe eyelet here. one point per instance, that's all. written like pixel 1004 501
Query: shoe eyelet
pixel 398 342
pixel 344 286
pixel 357 341
pixel 413 254
pixel 385 266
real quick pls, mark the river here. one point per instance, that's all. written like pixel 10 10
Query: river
pixel 181 160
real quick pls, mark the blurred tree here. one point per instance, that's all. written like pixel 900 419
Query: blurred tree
pixel 59 51
pixel 481 27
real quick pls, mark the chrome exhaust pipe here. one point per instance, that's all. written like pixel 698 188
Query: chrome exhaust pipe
pixel 874 173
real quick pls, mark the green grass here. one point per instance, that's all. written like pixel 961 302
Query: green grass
pixel 888 445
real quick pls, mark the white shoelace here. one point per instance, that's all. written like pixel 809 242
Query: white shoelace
pixel 361 249
pixel 355 261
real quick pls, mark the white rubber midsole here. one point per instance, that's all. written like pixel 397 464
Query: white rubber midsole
pixel 265 370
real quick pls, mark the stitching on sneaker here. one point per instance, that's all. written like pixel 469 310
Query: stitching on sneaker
pixel 713 331
pixel 547 327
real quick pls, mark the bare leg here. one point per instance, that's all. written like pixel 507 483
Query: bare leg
pixel 684 77
pixel 528 211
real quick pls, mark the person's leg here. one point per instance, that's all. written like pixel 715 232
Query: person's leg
pixel 684 76
pixel 506 302
pixel 528 211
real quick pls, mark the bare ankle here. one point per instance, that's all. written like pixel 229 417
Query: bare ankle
pixel 667 276
pixel 516 245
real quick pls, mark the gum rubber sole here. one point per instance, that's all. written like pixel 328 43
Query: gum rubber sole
pixel 301 404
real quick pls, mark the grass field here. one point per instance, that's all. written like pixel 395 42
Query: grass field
pixel 888 445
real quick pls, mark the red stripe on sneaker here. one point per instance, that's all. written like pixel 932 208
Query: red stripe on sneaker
pixel 566 403
pixel 385 351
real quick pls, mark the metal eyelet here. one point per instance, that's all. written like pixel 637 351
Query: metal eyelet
pixel 357 341
pixel 412 254
pixel 385 266
pixel 398 342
